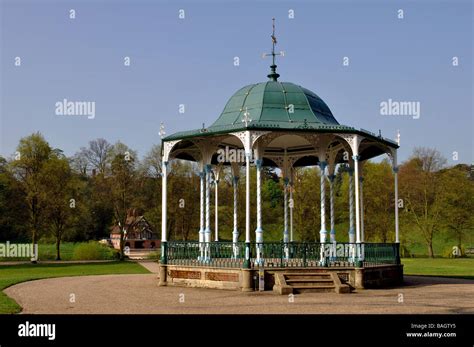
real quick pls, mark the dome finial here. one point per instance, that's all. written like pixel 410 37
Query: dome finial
pixel 273 75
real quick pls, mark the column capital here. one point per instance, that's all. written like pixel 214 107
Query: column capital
pixel 356 157
pixel 323 164
pixel 235 179
pixel 258 163
pixel 395 169
pixel 286 180
pixel 361 179
pixel 208 168
pixel 331 178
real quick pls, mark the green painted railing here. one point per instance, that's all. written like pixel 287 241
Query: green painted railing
pixel 381 253
pixel 278 254
pixel 219 254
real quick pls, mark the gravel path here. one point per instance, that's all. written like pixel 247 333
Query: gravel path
pixel 151 266
pixel 141 294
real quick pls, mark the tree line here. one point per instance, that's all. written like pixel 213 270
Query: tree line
pixel 47 196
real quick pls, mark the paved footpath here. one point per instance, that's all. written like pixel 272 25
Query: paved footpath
pixel 141 294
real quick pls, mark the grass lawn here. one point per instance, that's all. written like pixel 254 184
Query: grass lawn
pixel 13 274
pixel 461 268
pixel 92 250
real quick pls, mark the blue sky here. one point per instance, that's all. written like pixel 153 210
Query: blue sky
pixel 191 61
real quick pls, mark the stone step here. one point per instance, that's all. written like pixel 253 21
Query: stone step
pixel 309 280
pixel 310 284
pixel 302 282
pixel 314 277
pixel 313 289
pixel 317 274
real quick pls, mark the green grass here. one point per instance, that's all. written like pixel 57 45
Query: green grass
pixel 47 251
pixel 443 242
pixel 13 274
pixel 461 267
pixel 73 251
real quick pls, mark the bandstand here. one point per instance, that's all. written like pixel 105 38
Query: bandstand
pixel 281 125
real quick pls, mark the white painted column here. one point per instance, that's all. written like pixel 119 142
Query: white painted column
pixel 357 206
pixel 332 234
pixel 397 236
pixel 164 215
pixel 207 231
pixel 350 171
pixel 292 204
pixel 201 203
pixel 259 230
pixel 323 232
pixel 247 200
pixel 164 189
pixel 216 208
pixel 235 232
pixel 286 237
pixel 357 199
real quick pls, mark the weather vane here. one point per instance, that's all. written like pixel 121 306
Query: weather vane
pixel 162 130
pixel 273 74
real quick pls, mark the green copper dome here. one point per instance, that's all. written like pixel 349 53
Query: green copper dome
pixel 275 104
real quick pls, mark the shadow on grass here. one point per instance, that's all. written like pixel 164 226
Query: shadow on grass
pixel 428 280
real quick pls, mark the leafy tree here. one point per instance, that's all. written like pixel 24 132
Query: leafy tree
pixel 379 205
pixel 122 186
pixel 32 154
pixel 306 198
pixel 13 209
pixel 58 189
pixel 121 149
pixel 272 193
pixel 458 203
pixel 183 201
pixel 422 190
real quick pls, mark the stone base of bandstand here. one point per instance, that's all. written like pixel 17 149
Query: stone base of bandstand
pixel 376 276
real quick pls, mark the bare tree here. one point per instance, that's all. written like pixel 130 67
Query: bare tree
pixel 97 154
pixel 152 162
pixel 430 159
pixel 80 162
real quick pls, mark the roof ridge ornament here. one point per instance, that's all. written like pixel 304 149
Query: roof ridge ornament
pixel 246 118
pixel 273 75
